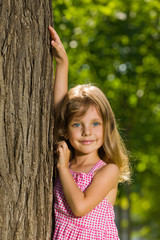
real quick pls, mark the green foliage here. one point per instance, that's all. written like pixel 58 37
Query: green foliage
pixel 115 45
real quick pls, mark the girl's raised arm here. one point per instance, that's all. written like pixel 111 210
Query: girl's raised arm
pixel 61 74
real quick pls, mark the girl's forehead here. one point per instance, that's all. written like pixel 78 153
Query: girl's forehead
pixel 91 112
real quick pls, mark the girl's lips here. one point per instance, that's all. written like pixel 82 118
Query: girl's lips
pixel 87 142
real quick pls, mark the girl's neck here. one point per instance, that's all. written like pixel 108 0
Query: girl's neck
pixel 82 160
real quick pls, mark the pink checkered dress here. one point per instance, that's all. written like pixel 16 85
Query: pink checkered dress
pixel 97 225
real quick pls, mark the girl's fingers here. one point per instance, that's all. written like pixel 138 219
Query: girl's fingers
pixel 55 36
pixel 63 154
pixel 63 147
pixel 55 44
pixel 59 52
pixel 62 144
pixel 53 33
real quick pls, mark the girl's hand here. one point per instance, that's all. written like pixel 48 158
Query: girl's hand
pixel 64 155
pixel 59 52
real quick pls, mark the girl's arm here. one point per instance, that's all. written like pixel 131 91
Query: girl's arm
pixel 61 74
pixel 104 181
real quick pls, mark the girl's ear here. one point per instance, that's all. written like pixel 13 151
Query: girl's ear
pixel 66 136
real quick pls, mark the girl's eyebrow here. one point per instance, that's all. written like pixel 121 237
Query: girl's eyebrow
pixel 97 119
pixel 75 119
pixel 92 120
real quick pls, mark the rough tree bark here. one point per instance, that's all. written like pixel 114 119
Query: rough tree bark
pixel 26 121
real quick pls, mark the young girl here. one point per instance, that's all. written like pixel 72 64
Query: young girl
pixel 92 158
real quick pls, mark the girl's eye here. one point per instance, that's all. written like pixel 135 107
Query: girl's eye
pixel 76 125
pixel 96 124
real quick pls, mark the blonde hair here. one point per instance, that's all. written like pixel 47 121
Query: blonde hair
pixel 77 102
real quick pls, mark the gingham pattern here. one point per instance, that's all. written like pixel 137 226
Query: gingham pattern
pixel 97 225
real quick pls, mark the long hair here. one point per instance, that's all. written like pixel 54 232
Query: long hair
pixel 77 102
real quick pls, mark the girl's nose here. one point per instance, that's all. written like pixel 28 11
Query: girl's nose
pixel 86 131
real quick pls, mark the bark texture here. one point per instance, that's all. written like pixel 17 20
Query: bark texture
pixel 26 121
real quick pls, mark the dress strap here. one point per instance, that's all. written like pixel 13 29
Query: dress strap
pixel 98 165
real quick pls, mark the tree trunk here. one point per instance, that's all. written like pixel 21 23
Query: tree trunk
pixel 26 121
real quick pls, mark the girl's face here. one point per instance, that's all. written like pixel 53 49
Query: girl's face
pixel 86 133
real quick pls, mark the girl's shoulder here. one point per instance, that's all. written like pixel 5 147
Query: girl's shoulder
pixel 97 166
pixel 107 169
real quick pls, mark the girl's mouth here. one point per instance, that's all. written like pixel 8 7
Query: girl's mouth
pixel 87 142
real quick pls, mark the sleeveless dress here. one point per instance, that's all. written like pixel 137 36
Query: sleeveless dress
pixel 96 225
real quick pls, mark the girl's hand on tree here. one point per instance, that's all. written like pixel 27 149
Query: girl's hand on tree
pixel 59 52
pixel 63 155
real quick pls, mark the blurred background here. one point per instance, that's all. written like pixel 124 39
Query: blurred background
pixel 116 46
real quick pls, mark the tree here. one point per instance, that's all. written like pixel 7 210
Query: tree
pixel 26 121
